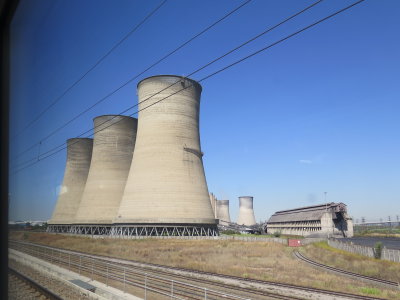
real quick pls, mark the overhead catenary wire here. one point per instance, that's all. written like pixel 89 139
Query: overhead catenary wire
pixel 217 72
pixel 194 72
pixel 124 38
pixel 201 68
pixel 135 77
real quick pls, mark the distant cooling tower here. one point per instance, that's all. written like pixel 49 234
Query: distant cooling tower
pixel 213 201
pixel 166 187
pixel 114 141
pixel 223 211
pixel 246 212
pixel 79 153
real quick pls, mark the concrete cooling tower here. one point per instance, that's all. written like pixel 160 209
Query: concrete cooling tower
pixel 213 201
pixel 79 153
pixel 114 141
pixel 223 211
pixel 246 212
pixel 166 191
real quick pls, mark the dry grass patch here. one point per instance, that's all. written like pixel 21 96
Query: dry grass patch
pixel 325 254
pixel 259 260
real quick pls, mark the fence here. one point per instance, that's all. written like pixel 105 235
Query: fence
pixel 221 237
pixel 124 275
pixel 387 254
pixel 391 254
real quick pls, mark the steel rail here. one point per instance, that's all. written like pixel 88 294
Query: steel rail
pixel 284 285
pixel 33 284
pixel 116 272
pixel 345 272
pixel 112 269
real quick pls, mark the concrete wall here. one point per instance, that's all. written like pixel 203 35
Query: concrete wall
pixel 246 212
pixel 79 154
pixel 327 226
pixel 166 183
pixel 350 228
pixel 113 146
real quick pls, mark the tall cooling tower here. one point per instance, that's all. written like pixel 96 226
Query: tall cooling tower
pixel 79 153
pixel 114 141
pixel 166 186
pixel 223 210
pixel 246 212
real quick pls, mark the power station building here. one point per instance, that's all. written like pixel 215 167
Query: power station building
pixel 79 154
pixel 325 220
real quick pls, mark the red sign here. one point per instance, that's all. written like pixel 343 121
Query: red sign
pixel 294 243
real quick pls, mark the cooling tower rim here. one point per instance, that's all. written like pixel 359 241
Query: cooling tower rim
pixel 223 201
pixel 169 75
pixel 246 196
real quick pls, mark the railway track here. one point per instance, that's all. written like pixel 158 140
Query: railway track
pixel 167 271
pixel 375 280
pixel 183 288
pixel 22 287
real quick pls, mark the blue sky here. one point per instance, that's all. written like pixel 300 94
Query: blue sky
pixel 317 113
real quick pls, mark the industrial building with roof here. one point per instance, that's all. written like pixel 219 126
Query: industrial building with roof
pixel 324 220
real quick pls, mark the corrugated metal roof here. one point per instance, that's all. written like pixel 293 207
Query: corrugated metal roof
pixel 308 213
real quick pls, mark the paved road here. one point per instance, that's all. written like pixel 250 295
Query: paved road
pixel 390 243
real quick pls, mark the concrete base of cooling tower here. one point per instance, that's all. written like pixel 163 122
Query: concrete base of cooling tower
pixel 164 230
pixel 127 230
pixel 98 229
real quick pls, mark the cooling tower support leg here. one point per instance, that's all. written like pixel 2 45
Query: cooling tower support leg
pixel 136 230
pixel 59 228
pixel 80 229
pixel 148 230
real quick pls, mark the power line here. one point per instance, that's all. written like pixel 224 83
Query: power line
pixel 135 77
pixel 216 72
pixel 208 64
pixel 93 67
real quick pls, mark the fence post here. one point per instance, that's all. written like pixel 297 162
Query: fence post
pixel 69 261
pixel 205 293
pixel 92 267
pixel 145 286
pixel 107 275
pixel 124 278
pixel 80 262
pixel 172 289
